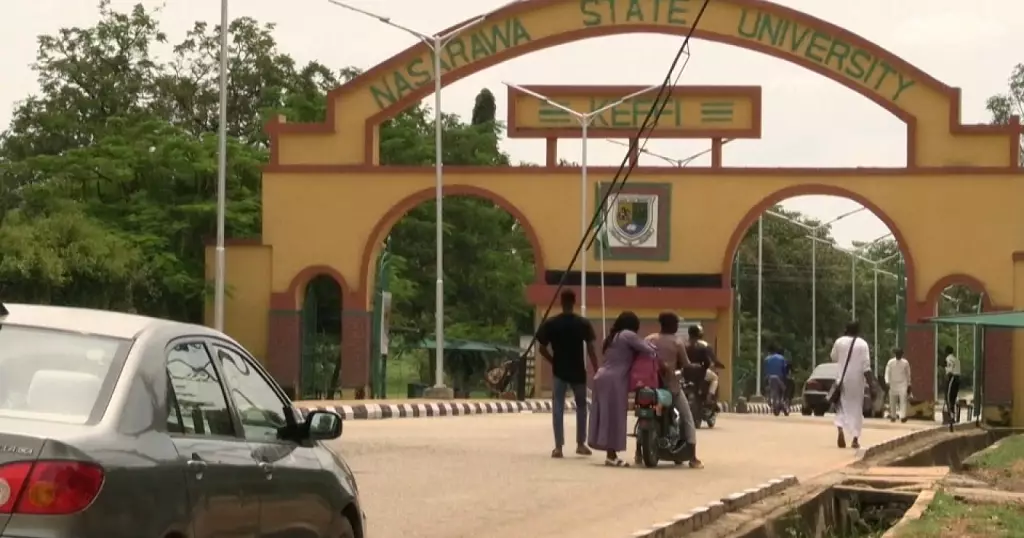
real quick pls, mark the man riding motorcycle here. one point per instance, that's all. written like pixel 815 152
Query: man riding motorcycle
pixel 672 355
pixel 700 352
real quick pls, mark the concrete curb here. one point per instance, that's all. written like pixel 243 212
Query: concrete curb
pixel 375 411
pixel 702 516
pixel 910 437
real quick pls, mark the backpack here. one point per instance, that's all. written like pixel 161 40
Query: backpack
pixel 644 373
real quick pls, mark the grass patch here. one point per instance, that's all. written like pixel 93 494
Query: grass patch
pixel 1002 466
pixel 948 518
pixel 1009 452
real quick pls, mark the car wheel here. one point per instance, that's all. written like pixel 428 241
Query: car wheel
pixel 805 410
pixel 346 530
pixel 819 412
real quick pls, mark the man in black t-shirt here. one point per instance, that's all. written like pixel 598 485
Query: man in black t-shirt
pixel 562 340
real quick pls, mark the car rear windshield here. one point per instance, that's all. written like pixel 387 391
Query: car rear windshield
pixel 825 370
pixel 53 375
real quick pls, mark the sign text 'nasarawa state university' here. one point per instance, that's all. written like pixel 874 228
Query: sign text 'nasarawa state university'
pixel 787 35
pixel 689 112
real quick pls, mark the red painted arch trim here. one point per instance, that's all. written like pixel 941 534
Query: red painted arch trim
pixel 298 284
pixel 387 222
pixel 814 190
pixel 960 279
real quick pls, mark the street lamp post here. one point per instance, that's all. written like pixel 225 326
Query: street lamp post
pixel 874 266
pixel 813 230
pixel 222 173
pixel 760 297
pixel 584 119
pixel 436 43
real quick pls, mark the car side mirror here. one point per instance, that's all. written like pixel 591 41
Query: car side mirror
pixel 323 425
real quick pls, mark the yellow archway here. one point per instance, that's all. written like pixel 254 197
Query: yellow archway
pixel 326 176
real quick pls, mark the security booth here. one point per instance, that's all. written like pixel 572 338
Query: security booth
pixel 988 329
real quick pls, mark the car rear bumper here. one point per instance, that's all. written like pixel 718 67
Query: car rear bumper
pixel 815 400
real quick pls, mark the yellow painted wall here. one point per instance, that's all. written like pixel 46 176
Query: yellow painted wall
pixel 952 223
pixel 247 302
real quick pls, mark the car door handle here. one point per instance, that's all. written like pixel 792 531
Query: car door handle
pixel 196 464
pixel 267 469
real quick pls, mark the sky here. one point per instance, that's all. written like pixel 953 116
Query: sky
pixel 967 43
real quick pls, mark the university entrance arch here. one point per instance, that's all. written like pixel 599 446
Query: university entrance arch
pixel 326 176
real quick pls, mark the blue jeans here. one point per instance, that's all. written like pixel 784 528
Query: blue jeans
pixel 579 392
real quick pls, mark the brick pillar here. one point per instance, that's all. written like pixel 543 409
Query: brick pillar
pixel 355 349
pixel 919 349
pixel 284 350
pixel 998 388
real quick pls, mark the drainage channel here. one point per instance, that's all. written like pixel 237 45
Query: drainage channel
pixel 865 500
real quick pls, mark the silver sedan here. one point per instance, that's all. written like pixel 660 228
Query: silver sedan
pixel 121 426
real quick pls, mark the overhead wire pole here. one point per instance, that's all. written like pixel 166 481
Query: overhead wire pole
pixel 222 173
pixel 436 43
pixel 584 119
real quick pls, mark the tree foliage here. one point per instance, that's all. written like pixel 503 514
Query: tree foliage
pixel 1005 105
pixel 109 175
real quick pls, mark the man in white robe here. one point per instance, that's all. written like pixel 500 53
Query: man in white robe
pixel 897 377
pixel 850 411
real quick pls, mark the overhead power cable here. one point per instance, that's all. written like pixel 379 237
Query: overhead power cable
pixel 627 166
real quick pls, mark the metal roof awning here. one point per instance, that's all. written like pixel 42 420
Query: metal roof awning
pixel 469 345
pixel 1011 319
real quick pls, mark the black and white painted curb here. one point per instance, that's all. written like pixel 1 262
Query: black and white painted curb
pixel 374 411
pixel 766 409
pixel 702 516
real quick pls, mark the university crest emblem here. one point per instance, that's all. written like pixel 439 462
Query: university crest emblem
pixel 634 219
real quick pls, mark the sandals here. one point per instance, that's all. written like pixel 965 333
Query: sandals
pixel 615 463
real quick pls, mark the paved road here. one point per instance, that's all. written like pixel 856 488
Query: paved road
pixel 466 477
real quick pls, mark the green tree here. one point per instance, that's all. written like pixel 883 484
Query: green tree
pixel 108 175
pixel 1011 103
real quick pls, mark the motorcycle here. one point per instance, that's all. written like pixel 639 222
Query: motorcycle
pixel 657 429
pixel 694 388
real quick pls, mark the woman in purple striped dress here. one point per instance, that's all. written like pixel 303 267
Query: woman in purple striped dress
pixel 609 410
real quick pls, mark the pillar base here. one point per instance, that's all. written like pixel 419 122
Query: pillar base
pixel 439 393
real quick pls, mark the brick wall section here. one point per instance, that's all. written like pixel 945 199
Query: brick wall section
pixel 355 349
pixel 998 388
pixel 920 352
pixel 285 347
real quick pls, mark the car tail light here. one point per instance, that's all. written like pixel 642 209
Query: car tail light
pixel 48 487
pixel 814 385
pixel 645 397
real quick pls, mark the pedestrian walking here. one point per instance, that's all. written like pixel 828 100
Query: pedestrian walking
pixel 562 341
pixel 952 383
pixel 897 378
pixel 853 355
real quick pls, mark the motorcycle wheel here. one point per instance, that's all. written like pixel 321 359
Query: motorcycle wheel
pixel 648 440
pixel 697 412
pixel 711 421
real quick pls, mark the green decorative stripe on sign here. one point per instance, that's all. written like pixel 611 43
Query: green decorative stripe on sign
pixel 547 113
pixel 717 111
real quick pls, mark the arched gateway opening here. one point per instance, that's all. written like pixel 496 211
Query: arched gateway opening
pixel 797 282
pixel 327 176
